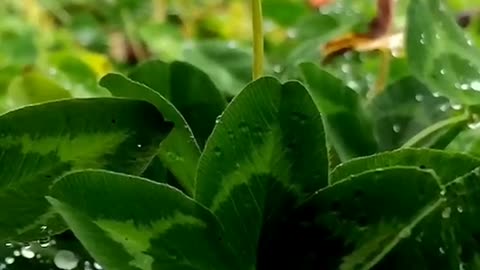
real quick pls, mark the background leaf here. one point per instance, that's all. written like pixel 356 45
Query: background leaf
pixel 440 53
pixel 349 128
pixel 189 89
pixel 446 165
pixel 179 152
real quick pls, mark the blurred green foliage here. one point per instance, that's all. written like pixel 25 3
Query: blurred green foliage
pixel 54 49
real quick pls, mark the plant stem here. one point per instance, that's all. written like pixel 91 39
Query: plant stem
pixel 258 46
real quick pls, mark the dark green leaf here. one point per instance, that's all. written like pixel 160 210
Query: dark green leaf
pixel 131 223
pixel 396 218
pixel 355 223
pixel 40 143
pixel 189 89
pixel 179 152
pixel 266 154
pixel 348 126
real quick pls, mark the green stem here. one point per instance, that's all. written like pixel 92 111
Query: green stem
pixel 435 128
pixel 258 46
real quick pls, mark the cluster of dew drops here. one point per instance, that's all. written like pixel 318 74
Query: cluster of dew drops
pixel 44 252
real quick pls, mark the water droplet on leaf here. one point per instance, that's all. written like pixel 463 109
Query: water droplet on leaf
pixel 27 253
pixel 65 259
pixel 475 85
pixel 396 128
pixel 9 260
pixel 446 212
pixel 405 233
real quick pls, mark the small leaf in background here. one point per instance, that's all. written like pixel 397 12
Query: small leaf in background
pixel 196 98
pixel 441 54
pixel 131 223
pixel 31 87
pixel 348 126
pixel 258 162
pixel 405 108
pixel 179 152
pixel 73 74
pixel 446 165
pixel 227 63
pixel 40 143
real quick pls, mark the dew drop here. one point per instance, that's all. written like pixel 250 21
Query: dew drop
pixel 422 38
pixel 475 85
pixel 27 253
pixel 474 125
pixel 456 107
pixel 436 94
pixel 87 265
pixel 443 72
pixel 291 33
pixel 419 98
pixel 9 260
pixel 464 86
pixel 43 228
pixel 277 68
pixel 139 145
pixel 446 212
pixel 460 209
pixel 232 44
pixel 396 128
pixel 44 242
pixel 65 259
pixel 345 68
pixel 443 192
pixel 8 244
pixel 444 107
pixel 442 251
pixel 97 266
pixel 405 233
pixel 2 266
pixel 16 253
pixel 353 84
pixel 218 120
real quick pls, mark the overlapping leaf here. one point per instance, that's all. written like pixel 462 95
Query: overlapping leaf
pixel 40 143
pixel 387 218
pixel 196 98
pixel 349 127
pixel 446 165
pixel 179 152
pixel 131 223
